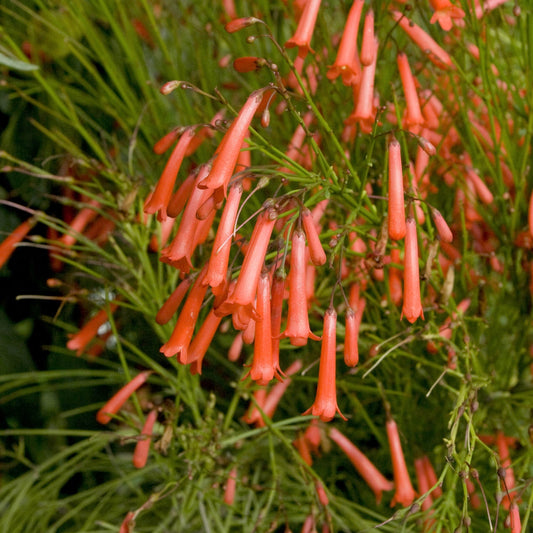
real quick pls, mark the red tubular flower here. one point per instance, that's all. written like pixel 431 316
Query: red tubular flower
pixel 240 23
pixel 423 482
pixel 413 118
pixel 173 302
pixel 351 339
pixel 10 242
pixel 230 146
pixel 405 494
pixel 505 460
pixel 316 250
pixel 88 332
pixel 119 399
pixel 79 223
pixel 246 286
pixel 513 520
pixel 181 196
pixel 180 339
pixel 142 448
pixel 347 61
pixel 158 201
pixel 396 204
pixel 304 31
pixel 248 63
pixel 412 304
pixel 298 330
pixel 426 43
pixel 443 230
pixel 367 46
pixel 373 477
pixel 445 11
pixel 128 524
pixel 231 487
pixel 218 262
pixel 276 312
pixel 163 144
pixel 180 250
pixel 482 191
pixel 325 404
pixel 201 342
pixel 263 370
pixel 301 444
pixel 364 109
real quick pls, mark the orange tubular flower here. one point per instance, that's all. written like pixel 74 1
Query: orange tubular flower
pixel 180 339
pixel 298 330
pixel 405 494
pixel 426 43
pixel 431 476
pixel 443 230
pixel 88 332
pixel 316 250
pixel 142 449
pixel 413 118
pixel 230 146
pixel 364 110
pixel 513 520
pixel 218 262
pixel 423 482
pixel 10 242
pixel 347 61
pixel 304 31
pixel 367 46
pixel 173 302
pixel 325 404
pixel 180 250
pixel 276 312
pixel 231 487
pixel 163 144
pixel 158 201
pixel 119 399
pixel 373 477
pixel 445 11
pixel 351 340
pixel 79 223
pixel 202 340
pixel 395 277
pixel 246 286
pixel 263 370
pixel 505 460
pixel 396 205
pixel 412 305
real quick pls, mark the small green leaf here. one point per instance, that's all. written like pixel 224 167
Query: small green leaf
pixel 16 64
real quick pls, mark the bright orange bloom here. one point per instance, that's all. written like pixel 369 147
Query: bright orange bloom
pixel 304 31
pixel 88 332
pixel 218 262
pixel 347 61
pixel 159 199
pixel 373 477
pixel 298 330
pixel 201 341
pixel 9 244
pixel 421 38
pixel 351 339
pixel 316 250
pixel 173 302
pixel 142 448
pixel 396 204
pixel 180 339
pixel 276 312
pixel 163 144
pixel 325 404
pixel 405 494
pixel 181 196
pixel 413 118
pixel 367 46
pixel 445 11
pixel 412 305
pixel 120 398
pixel 230 146
pixel 263 370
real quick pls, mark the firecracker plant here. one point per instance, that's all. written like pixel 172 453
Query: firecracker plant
pixel 266 266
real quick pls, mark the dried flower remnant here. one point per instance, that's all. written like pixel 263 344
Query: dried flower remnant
pixel 114 404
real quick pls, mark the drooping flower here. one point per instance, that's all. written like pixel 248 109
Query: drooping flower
pixel 173 301
pixel 88 332
pixel 80 222
pixel 405 493
pixel 396 215
pixel 443 230
pixel 114 404
pixel 142 448
pixel 412 304
pixel 347 61
pixel 373 477
pixel 9 244
pixel 306 25
pixel 351 338
pixel 413 119
pixel 367 46
pixel 316 250
pixel 325 404
pixel 298 330
pixel 201 341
